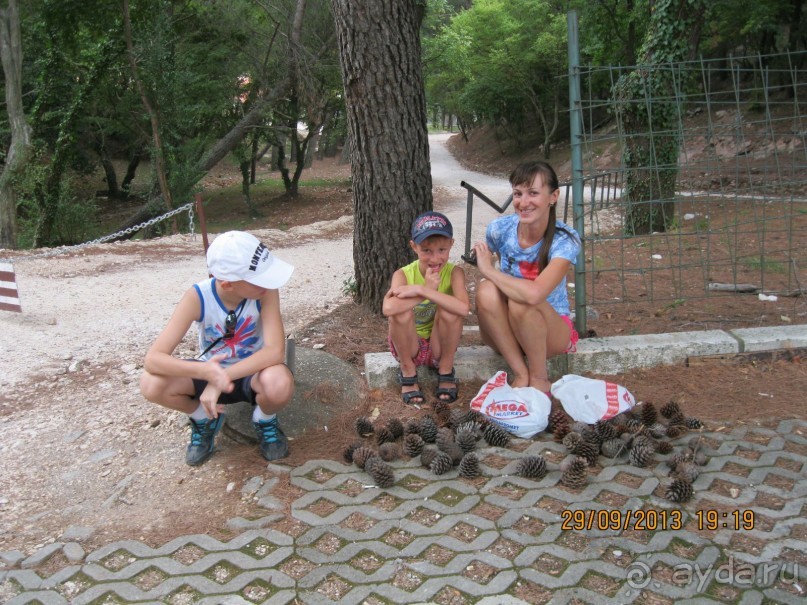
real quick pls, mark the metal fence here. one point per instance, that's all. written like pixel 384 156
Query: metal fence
pixel 739 208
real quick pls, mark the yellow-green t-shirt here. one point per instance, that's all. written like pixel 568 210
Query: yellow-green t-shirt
pixel 425 311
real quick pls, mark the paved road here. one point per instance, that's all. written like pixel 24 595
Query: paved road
pixel 496 540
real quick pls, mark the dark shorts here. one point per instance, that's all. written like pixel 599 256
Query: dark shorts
pixel 242 391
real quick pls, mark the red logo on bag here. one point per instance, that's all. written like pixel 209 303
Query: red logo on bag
pixel 507 409
pixel 500 379
pixel 612 397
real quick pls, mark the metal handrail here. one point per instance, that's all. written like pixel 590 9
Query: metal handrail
pixel 473 191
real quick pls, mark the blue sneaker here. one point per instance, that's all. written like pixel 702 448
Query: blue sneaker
pixel 203 439
pixel 271 440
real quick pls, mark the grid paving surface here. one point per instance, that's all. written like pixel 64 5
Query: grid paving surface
pixel 495 539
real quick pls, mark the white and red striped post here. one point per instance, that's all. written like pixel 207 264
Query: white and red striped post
pixel 9 296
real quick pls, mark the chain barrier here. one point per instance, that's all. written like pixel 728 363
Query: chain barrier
pixel 112 236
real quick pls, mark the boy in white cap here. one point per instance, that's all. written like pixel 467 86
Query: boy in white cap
pixel 241 343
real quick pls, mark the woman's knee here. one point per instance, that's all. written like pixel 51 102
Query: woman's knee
pixel 488 297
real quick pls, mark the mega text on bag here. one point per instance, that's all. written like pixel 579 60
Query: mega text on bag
pixel 523 411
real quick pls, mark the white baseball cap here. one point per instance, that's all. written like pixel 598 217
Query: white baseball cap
pixel 237 256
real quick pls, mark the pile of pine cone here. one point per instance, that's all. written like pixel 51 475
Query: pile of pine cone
pixel 636 435
pixel 447 438
pixel 443 440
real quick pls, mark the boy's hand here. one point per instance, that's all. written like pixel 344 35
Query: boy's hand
pixel 406 292
pixel 432 279
pixel 209 400
pixel 217 376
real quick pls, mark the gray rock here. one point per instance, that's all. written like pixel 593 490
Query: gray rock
pixel 10 558
pixel 251 487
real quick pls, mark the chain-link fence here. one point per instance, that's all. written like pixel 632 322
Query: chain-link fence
pixel 695 179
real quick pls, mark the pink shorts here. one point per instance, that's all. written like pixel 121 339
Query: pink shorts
pixel 424 356
pixel 573 336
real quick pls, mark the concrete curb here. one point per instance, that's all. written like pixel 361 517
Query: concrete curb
pixel 610 355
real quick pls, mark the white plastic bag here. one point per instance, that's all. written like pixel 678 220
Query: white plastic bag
pixel 589 400
pixel 522 411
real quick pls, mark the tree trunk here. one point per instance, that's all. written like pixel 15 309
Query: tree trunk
pixel 131 171
pixel 111 177
pixel 379 47
pixel 20 148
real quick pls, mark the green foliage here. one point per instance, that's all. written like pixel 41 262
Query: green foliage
pixel 76 220
pixel 349 287
pixel 499 62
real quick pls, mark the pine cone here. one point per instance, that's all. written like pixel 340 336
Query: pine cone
pixel 347 453
pixel 364 427
pixel 575 475
pixel 389 451
pixel 442 463
pixel 679 457
pixel 641 455
pixel 688 471
pixel 395 427
pixel 633 423
pixel 427 455
pixel 674 431
pixel 532 467
pixel 456 453
pixel 360 455
pixel 469 465
pixel 678 418
pixel 445 437
pixel 613 448
pixel 648 413
pixel 412 426
pixel 561 430
pixel 380 471
pixel 693 423
pixel 466 439
pixel 384 435
pixel 579 427
pixel 657 430
pixel 495 435
pixel 457 417
pixel 428 429
pixel 668 410
pixel 442 412
pixel 413 445
pixel 664 447
pixel 700 458
pixel 588 450
pixel 679 491
pixel 644 441
pixel 606 431
pixel 572 441
pixel 556 418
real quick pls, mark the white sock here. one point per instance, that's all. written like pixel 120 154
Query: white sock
pixel 199 413
pixel 259 416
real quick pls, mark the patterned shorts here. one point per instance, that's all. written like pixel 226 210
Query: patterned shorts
pixel 424 356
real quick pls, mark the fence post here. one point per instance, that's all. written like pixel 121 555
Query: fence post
pixel 200 211
pixel 576 129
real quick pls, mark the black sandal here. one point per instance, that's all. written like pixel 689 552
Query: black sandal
pixel 408 381
pixel 447 394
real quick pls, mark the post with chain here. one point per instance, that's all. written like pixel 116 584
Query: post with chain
pixel 202 225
